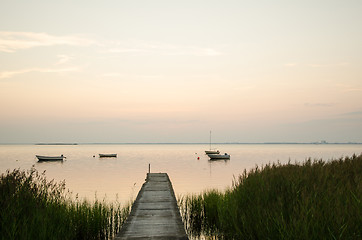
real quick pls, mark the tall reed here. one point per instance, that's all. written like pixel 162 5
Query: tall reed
pixel 33 208
pixel 313 200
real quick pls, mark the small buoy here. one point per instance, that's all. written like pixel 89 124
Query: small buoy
pixel 94 156
pixel 198 158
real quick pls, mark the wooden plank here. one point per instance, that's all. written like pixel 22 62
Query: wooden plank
pixel 154 214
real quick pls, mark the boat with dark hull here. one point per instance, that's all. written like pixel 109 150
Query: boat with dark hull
pixel 50 158
pixel 107 155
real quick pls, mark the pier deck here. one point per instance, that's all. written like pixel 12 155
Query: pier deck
pixel 154 214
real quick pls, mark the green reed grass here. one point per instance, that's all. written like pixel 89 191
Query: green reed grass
pixel 313 200
pixel 33 208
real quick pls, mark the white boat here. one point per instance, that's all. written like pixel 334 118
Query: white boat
pixel 101 155
pixel 50 158
pixel 211 151
pixel 219 156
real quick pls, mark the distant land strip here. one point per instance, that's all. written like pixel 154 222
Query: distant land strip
pixel 56 143
pixel 148 143
pixel 263 143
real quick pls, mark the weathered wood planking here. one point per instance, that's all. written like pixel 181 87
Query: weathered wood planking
pixel 154 214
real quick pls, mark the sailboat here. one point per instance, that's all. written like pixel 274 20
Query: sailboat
pixel 219 156
pixel 212 151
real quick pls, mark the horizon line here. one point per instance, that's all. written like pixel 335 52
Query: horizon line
pixel 150 143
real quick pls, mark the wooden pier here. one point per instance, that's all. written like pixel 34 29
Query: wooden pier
pixel 154 214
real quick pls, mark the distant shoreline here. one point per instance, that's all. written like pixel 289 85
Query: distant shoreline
pixel 56 144
pixel 236 143
pixel 216 143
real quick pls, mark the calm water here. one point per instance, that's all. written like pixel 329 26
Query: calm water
pixel 122 177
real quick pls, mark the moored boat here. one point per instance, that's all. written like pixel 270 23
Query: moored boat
pixel 104 155
pixel 50 158
pixel 212 152
pixel 219 156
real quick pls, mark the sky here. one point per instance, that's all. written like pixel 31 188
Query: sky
pixel 163 71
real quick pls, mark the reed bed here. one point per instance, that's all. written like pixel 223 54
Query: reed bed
pixel 33 208
pixel 312 200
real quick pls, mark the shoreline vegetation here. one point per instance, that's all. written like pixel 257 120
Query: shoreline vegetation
pixel 312 200
pixel 33 208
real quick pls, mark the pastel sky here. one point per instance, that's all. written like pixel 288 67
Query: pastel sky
pixel 170 71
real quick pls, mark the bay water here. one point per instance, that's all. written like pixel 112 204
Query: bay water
pixel 190 170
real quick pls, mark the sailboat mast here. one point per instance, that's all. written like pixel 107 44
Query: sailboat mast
pixel 210 140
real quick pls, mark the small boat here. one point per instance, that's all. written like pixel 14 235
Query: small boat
pixel 211 151
pixel 219 156
pixel 107 155
pixel 50 158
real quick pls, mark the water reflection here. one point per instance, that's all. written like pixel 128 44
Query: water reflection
pixel 190 170
pixel 216 163
pixel 50 162
pixel 219 160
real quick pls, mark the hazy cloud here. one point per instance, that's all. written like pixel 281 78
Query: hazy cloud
pixel 150 121
pixel 357 113
pixel 14 41
pixel 168 49
pixel 319 104
pixel 329 65
pixel 63 58
pixel 130 76
pixel 125 50
pixel 290 64
pixel 319 65
pixel 161 49
pixel 349 88
pixel 10 74
pixel 112 74
pixel 352 89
